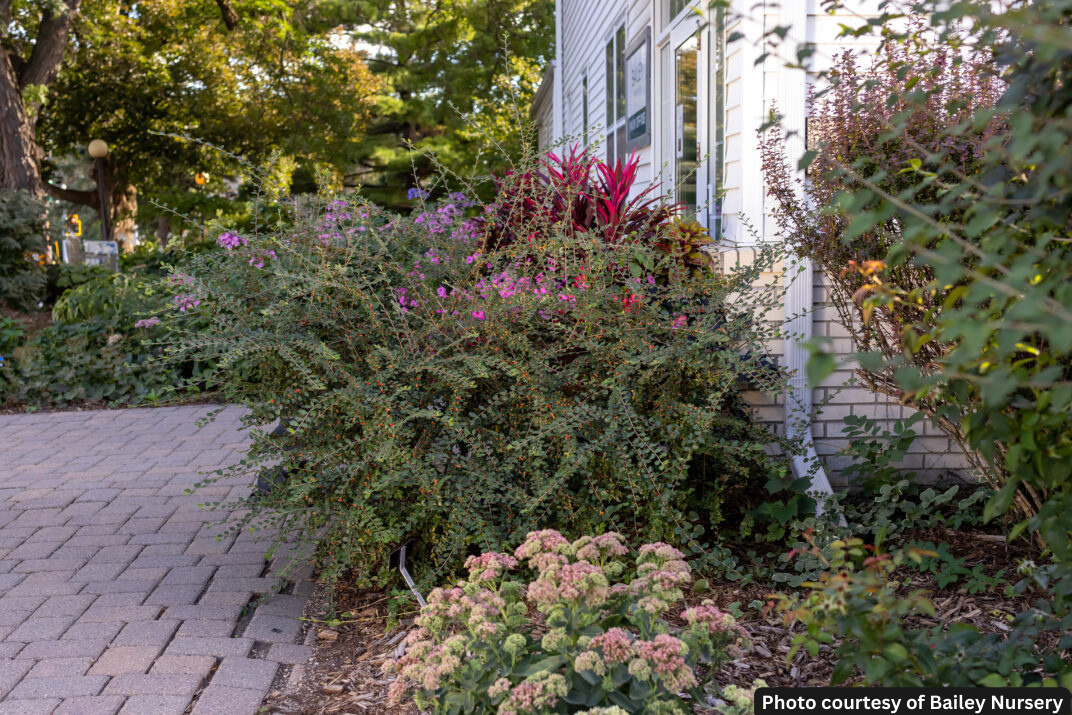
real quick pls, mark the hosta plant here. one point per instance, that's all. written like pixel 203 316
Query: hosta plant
pixel 589 632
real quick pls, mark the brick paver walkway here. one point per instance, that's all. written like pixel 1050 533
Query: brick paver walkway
pixel 115 595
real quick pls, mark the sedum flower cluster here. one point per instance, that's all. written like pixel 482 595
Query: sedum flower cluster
pixel 565 626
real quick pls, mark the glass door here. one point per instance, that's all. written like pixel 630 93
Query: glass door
pixel 686 124
pixel 683 108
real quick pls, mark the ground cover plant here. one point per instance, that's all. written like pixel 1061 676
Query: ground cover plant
pixel 441 384
pixel 100 342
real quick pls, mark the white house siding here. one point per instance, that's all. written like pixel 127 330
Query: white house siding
pixel 751 92
pixel 586 27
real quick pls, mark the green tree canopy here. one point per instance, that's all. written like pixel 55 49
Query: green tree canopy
pixel 454 71
pixel 261 78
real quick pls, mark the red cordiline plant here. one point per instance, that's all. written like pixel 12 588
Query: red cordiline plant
pixel 576 193
pixel 590 630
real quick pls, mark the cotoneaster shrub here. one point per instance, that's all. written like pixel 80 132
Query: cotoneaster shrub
pixel 590 630
pixel 459 392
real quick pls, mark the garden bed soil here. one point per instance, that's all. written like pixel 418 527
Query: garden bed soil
pixel 346 672
pixel 31 322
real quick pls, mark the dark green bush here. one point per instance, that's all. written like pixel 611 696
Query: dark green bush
pixel 24 230
pixel 462 396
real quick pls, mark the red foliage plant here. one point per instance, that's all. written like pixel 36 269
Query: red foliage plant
pixel 575 194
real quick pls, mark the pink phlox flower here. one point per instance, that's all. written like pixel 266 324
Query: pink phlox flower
pixel 441 291
pixel 679 322
pixel 479 314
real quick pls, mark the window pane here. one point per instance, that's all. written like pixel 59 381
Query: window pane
pixel 685 136
pixel 610 148
pixel 675 8
pixel 584 107
pixel 718 58
pixel 619 138
pixel 609 73
pixel 620 72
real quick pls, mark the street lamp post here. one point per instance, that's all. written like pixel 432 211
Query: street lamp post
pixel 98 149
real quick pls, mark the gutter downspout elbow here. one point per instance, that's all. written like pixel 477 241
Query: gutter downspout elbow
pixel 799 303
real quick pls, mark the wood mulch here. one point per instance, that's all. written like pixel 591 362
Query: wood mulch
pixel 346 674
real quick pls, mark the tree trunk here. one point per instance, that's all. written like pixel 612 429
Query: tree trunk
pixel 20 157
pixel 19 167
pixel 123 210
pixel 163 230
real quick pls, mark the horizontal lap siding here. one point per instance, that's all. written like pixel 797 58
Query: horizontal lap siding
pixel 587 24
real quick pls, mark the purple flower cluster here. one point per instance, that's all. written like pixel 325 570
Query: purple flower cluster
pixel 185 301
pixel 439 221
pixel 180 279
pixel 416 193
pixel 231 241
pixel 259 255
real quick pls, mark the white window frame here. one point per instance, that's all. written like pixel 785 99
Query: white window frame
pixel 675 33
pixel 613 95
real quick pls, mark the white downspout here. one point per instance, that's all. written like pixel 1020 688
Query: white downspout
pixel 800 294
pixel 558 111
